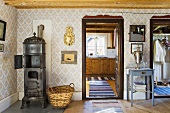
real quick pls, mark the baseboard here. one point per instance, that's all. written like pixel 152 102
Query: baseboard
pixel 77 96
pixel 8 101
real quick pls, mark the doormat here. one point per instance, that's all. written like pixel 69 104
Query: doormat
pixel 162 90
pixel 106 106
pixel 99 78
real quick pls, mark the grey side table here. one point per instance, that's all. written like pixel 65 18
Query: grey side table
pixel 146 72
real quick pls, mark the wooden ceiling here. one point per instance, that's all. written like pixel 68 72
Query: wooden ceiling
pixel 100 27
pixel 129 4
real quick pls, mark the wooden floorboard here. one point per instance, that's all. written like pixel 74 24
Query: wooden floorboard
pixel 113 86
pixel 140 106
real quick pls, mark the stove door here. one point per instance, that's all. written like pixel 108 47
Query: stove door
pixel 18 62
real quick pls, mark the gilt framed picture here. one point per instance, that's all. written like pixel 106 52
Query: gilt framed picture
pixel 2 30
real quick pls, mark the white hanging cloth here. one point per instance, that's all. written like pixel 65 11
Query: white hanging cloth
pixel 159 52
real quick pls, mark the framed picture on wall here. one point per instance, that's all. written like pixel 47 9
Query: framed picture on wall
pixel 137 33
pixel 68 57
pixel 2 30
pixel 1 47
pixel 135 45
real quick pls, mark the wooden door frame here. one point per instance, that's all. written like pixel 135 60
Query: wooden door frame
pixel 156 19
pixel 104 19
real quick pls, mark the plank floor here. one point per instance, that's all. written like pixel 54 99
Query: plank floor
pixel 140 106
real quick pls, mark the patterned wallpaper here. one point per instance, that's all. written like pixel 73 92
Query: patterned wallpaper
pixel 8 75
pixel 61 18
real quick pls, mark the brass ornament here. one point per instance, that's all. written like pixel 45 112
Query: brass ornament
pixel 69 37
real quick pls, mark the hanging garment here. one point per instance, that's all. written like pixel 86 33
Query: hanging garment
pixel 167 57
pixel 159 52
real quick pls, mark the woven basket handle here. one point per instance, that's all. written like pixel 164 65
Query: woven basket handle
pixel 71 84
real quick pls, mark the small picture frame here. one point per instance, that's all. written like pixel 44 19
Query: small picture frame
pixel 137 33
pixel 1 47
pixel 2 30
pixel 68 57
pixel 134 47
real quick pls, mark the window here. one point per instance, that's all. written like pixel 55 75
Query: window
pixel 96 45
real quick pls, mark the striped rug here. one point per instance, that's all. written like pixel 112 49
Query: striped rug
pixel 99 87
pixel 162 90
pixel 99 78
pixel 106 106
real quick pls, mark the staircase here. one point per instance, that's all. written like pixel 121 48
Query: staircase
pixel 100 89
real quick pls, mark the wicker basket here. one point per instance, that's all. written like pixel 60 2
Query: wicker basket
pixel 60 96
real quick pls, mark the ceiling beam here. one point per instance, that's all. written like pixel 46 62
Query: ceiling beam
pixel 99 31
pixel 100 26
pixel 151 4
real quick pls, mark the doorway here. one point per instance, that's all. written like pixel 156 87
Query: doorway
pixel 160 54
pixel 103 58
